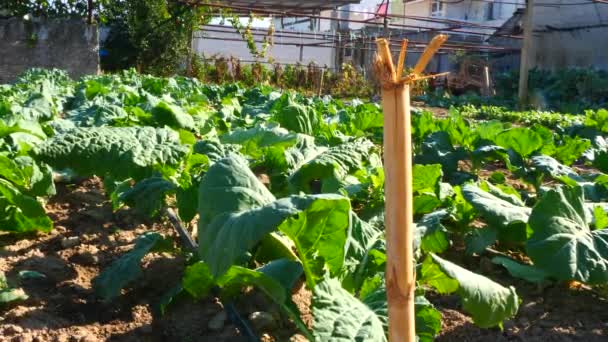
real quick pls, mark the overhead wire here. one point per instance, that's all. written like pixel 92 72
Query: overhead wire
pixel 296 14
pixel 330 36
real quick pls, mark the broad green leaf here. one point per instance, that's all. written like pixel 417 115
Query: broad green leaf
pixel 243 212
pixel 21 213
pixel 490 129
pixel 173 116
pixel 96 115
pixel 198 280
pixel 522 140
pixel 339 316
pixel 320 233
pixel 423 124
pixel 187 202
pixel 253 140
pixel 148 196
pixel 562 244
pixel 229 186
pixel 285 272
pixel 275 246
pixel 431 274
pixel 122 152
pixel 297 118
pixel 213 149
pixel 126 269
pixel 272 279
pixel 509 218
pixel 495 210
pixel 367 116
pixel 317 224
pixel 571 149
pixel 425 203
pixel 9 294
pixel 527 272
pixel 600 218
pixel 554 169
pixel 488 303
pixel 430 235
pixel 504 192
pixel 477 240
pixel 331 167
pixel 490 154
pixel 426 178
pixel 428 319
pixel 437 148
pixel 361 241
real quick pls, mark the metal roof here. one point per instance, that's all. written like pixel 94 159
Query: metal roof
pixel 308 7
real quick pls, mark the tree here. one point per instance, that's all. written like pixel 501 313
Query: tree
pixel 155 35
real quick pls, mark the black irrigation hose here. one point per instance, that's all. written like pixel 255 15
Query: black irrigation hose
pixel 236 319
pixel 188 243
pixel 184 236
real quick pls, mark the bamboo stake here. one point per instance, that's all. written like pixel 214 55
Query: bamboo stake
pixel 402 56
pixel 399 215
pixel 428 53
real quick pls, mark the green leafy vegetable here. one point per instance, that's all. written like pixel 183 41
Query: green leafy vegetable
pixel 562 244
pixel 122 152
pixel 126 269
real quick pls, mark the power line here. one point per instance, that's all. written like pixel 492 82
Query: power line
pixel 347 39
pixel 294 14
pixel 546 4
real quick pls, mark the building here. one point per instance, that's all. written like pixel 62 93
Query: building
pixel 440 14
pixel 298 39
pixel 564 36
pixel 353 16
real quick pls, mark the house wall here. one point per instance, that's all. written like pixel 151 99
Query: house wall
pixel 68 44
pixel 570 36
pixel 358 12
pixel 468 10
pixel 564 37
pixel 234 45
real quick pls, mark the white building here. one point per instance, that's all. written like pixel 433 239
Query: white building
pixel 296 38
pixel 441 14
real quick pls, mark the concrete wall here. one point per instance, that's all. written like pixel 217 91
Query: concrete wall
pixel 68 44
pixel 564 37
pixel 479 12
pixel 284 50
pixel 570 36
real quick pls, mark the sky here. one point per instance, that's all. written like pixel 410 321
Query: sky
pixel 364 6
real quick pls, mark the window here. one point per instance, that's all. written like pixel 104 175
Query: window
pixel 490 11
pixel 437 8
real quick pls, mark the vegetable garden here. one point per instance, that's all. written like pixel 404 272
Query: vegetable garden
pixel 276 196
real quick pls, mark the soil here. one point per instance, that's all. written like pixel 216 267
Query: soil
pixel 556 313
pixel 88 236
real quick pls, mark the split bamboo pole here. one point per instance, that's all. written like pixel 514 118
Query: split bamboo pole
pixel 399 222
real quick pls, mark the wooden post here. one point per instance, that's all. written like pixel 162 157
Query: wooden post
pixel 486 81
pixel 399 215
pixel 524 64
pixel 321 82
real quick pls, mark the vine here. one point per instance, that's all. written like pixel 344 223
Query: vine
pixel 247 35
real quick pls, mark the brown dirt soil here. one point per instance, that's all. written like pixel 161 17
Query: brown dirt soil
pixel 555 313
pixel 63 307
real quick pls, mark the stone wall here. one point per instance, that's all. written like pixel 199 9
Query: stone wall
pixel 68 44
